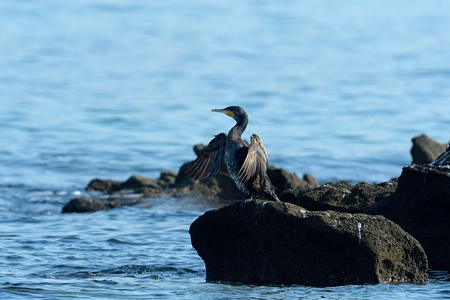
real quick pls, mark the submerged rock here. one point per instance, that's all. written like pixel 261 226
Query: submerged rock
pixel 269 243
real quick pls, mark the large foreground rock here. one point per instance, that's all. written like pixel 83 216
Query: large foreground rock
pixel 264 242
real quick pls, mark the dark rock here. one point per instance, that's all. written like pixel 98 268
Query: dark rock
pixel 181 180
pixel 130 192
pixel 86 204
pixel 310 180
pixel 103 185
pixel 425 150
pixel 91 204
pixel 270 243
pixel 344 197
pixel 283 180
pixel 198 149
pixel 138 182
pixel 167 179
pixel 289 195
pixel 421 206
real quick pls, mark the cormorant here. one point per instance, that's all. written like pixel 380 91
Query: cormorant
pixel 230 155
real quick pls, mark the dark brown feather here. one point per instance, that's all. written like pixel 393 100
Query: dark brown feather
pixel 211 160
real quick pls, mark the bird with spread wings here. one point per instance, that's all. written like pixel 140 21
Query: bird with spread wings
pixel 230 155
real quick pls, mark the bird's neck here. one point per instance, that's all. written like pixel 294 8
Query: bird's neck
pixel 235 133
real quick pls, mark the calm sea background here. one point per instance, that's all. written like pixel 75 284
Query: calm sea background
pixel 114 88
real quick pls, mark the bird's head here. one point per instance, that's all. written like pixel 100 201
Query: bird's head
pixel 236 112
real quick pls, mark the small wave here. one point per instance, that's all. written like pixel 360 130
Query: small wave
pixel 132 270
pixel 117 241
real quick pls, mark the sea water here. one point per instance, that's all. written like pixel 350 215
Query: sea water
pixel 111 88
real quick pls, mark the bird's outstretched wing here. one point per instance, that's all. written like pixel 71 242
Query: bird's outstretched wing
pixel 211 160
pixel 256 161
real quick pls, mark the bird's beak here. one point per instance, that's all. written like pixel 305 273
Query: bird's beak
pixel 223 110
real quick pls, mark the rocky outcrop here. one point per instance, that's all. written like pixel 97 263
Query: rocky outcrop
pixel 218 189
pixel 134 184
pixel 131 192
pixel 343 196
pixel 418 200
pixel 421 206
pixel 264 242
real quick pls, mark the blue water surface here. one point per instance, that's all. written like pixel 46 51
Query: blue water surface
pixel 112 88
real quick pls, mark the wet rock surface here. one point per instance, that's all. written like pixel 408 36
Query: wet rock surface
pixel 264 242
